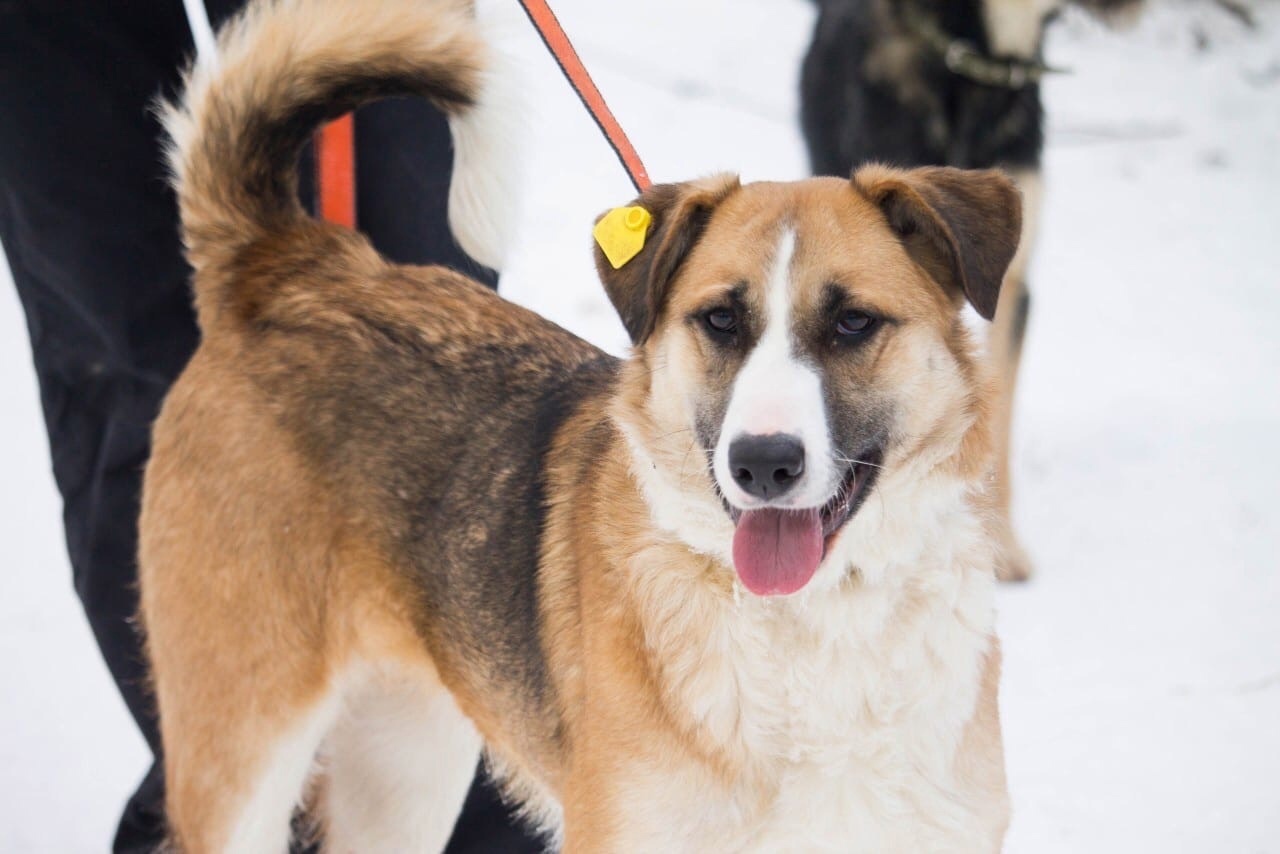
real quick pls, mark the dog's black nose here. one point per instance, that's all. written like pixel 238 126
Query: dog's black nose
pixel 766 466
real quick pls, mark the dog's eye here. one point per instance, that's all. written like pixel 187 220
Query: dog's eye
pixel 854 323
pixel 722 320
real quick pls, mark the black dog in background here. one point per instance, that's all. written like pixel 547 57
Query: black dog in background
pixel 947 83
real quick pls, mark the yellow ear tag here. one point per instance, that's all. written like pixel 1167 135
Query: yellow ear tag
pixel 620 234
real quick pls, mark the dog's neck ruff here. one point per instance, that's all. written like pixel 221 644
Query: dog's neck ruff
pixel 828 706
pixel 965 59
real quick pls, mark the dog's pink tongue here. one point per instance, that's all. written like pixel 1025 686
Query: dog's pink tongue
pixel 776 552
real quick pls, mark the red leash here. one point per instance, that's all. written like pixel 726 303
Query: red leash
pixel 336 147
pixel 553 36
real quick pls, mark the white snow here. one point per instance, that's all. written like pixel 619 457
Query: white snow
pixel 1142 685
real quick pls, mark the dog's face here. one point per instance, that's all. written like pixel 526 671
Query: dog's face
pixel 799 344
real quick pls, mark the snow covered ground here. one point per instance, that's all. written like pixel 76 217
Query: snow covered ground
pixel 1142 683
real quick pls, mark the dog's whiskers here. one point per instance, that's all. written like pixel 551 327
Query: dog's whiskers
pixel 685 460
pixel 672 433
pixel 851 461
pixel 654 369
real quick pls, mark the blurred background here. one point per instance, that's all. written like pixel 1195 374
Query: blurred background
pixel 1142 663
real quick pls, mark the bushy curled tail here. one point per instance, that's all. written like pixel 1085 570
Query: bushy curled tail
pixel 285 66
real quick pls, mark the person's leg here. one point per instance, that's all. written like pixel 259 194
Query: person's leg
pixel 404 163
pixel 88 226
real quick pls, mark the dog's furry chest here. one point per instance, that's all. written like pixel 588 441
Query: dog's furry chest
pixel 838 720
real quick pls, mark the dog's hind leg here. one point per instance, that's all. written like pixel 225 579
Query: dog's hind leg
pixel 1005 344
pixel 236 765
pixel 237 553
pixel 397 767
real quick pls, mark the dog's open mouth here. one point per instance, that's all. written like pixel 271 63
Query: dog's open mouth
pixel 853 489
pixel 776 551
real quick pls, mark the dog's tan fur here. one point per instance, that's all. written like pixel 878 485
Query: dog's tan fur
pixel 338 506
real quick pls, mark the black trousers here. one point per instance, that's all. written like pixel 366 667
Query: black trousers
pixel 89 227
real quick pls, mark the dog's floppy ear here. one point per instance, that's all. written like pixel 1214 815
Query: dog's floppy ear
pixel 678 213
pixel 961 225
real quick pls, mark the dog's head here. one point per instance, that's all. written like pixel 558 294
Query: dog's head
pixel 798 347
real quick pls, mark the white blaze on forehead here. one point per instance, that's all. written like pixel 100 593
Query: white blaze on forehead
pixel 775 392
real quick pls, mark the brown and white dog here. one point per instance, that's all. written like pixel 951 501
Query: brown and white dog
pixel 391 518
